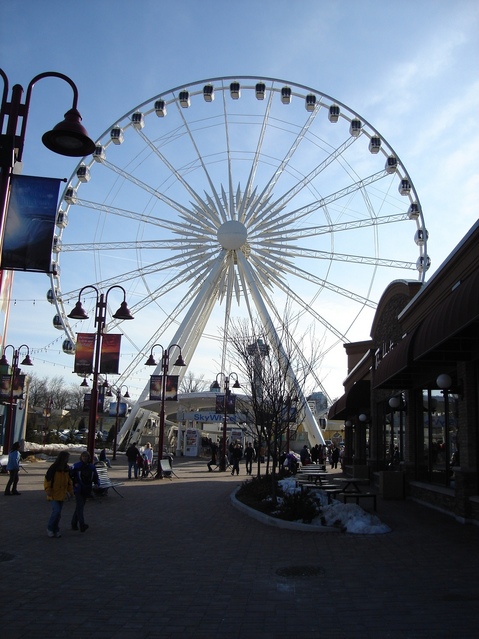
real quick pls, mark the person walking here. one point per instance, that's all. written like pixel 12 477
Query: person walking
pixel 132 454
pixel 213 461
pixel 13 468
pixel 249 458
pixel 147 459
pixel 84 475
pixel 57 485
pixel 334 457
pixel 236 455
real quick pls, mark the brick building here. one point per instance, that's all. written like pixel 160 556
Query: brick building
pixel 410 402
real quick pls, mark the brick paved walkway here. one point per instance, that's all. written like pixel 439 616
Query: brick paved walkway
pixel 176 559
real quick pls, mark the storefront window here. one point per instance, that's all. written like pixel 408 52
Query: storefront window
pixel 440 435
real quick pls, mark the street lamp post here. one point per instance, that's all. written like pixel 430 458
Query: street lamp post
pixel 165 362
pixel 68 137
pixel 117 420
pixel 165 359
pixel 226 382
pixel 14 371
pixel 123 313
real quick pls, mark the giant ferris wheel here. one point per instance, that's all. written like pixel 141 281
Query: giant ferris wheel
pixel 236 197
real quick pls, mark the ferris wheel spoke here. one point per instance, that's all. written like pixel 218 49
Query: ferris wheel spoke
pixel 147 188
pixel 168 263
pixel 346 257
pixel 249 190
pixel 304 211
pixel 304 182
pixel 309 310
pixel 199 158
pixel 117 212
pixel 174 172
pixel 268 266
pixel 170 244
pixel 292 234
pixel 287 158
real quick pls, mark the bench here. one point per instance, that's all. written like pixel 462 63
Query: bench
pixel 357 496
pixel 105 481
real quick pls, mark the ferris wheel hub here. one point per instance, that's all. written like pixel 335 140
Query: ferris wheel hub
pixel 232 235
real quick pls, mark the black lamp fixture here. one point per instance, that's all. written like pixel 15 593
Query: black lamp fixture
pixel 69 137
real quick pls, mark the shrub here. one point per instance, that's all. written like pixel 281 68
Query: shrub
pixel 257 493
pixel 298 506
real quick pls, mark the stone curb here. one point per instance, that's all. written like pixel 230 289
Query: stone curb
pixel 278 523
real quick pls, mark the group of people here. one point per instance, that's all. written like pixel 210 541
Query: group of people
pixel 139 461
pixel 319 454
pixel 60 483
pixel 235 455
pixel 63 481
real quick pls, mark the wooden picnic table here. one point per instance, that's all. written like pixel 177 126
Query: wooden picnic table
pixel 351 484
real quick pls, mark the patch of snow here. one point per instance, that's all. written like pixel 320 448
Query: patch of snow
pixel 350 517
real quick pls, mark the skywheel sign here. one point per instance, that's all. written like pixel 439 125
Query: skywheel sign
pixel 210 418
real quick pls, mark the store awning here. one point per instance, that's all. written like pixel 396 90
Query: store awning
pixel 356 399
pixel 393 371
pixel 445 334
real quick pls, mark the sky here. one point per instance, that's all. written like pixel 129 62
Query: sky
pixel 409 70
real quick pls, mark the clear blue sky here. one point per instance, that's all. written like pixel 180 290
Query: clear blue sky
pixel 411 69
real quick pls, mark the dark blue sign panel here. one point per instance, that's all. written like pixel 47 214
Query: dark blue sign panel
pixel 30 224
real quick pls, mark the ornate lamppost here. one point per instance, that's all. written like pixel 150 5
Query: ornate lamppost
pixel 14 373
pixel 68 137
pixel 123 313
pixel 165 362
pixel 215 385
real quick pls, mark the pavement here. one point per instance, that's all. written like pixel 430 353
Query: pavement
pixel 175 559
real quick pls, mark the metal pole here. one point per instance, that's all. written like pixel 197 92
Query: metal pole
pixel 93 415
pixel 164 358
pixel 225 419
pixel 9 426
pixel 118 397
pixel 9 142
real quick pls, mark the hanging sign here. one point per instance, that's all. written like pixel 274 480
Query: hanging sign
pixel 110 354
pixel 30 224
pixel 84 353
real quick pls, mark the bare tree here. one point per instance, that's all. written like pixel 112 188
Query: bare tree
pixel 192 384
pixel 274 370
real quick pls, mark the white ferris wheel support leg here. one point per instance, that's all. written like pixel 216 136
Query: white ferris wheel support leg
pixel 310 422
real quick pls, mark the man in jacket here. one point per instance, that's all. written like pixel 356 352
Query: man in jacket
pixel 84 475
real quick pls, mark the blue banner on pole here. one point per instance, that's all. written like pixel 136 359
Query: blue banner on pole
pixel 30 224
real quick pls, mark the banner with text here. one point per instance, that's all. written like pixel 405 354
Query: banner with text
pixel 110 353
pixel 85 347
